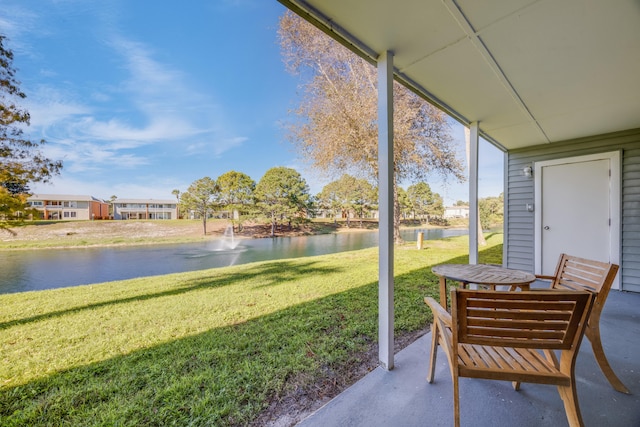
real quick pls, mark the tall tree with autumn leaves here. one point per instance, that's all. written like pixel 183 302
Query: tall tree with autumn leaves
pixel 335 128
pixel 21 161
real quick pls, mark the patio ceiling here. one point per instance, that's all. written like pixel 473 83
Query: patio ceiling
pixel 529 71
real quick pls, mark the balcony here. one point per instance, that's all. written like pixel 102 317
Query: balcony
pixel 402 397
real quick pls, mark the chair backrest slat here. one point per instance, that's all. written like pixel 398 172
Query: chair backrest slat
pixel 538 319
pixel 574 273
pixel 518 314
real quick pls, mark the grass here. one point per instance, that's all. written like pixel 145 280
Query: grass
pixel 68 234
pixel 76 234
pixel 212 347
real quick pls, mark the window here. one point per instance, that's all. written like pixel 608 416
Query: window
pixel 160 215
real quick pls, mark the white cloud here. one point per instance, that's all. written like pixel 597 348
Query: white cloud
pixel 227 143
pixel 50 106
pixel 131 136
pixel 16 21
pixel 83 157
pixel 100 97
pixel 157 107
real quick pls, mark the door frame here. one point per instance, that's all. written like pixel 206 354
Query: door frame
pixel 615 212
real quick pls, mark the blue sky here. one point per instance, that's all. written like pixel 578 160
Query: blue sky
pixel 140 98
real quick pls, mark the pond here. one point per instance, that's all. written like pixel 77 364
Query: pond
pixel 55 268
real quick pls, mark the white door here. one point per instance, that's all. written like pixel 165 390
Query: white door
pixel 578 209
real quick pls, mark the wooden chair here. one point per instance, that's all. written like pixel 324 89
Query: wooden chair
pixel 508 336
pixel 573 273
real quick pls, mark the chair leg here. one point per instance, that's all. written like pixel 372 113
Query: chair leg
pixel 571 407
pixel 456 402
pixel 551 357
pixel 593 334
pixel 434 352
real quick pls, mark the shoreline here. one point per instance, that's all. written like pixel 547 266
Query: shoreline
pixel 98 234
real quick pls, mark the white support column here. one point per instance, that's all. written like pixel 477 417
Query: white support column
pixel 473 193
pixel 385 186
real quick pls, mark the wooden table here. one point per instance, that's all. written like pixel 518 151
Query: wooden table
pixel 481 274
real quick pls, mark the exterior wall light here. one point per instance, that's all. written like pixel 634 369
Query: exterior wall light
pixel 527 171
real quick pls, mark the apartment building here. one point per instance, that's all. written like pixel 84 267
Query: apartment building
pixel 145 209
pixel 456 212
pixel 69 207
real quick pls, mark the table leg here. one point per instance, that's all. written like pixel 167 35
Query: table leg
pixel 443 292
pixel 523 287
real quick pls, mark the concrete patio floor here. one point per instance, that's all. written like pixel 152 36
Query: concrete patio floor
pixel 403 398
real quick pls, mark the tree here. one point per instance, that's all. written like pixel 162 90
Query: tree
pixel 436 209
pixel 236 192
pixel 16 187
pixel 201 197
pixel 403 203
pixel 112 200
pixel 421 199
pixel 21 161
pixel 337 126
pixel 491 211
pixel 348 194
pixel 13 209
pixel 282 194
pixel 176 193
pixel 363 198
pixel 330 199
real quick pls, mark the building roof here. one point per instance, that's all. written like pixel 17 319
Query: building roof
pixel 145 201
pixel 64 198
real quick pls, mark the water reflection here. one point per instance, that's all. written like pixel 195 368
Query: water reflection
pixel 56 268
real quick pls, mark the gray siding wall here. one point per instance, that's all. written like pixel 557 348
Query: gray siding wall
pixel 519 190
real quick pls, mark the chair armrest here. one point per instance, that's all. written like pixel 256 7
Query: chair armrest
pixel 438 311
pixel 544 277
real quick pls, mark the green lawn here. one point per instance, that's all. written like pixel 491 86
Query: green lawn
pixel 212 347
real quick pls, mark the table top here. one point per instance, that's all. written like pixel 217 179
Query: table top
pixel 483 274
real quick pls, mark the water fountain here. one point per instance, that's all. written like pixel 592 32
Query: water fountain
pixel 228 239
pixel 227 245
pixel 226 248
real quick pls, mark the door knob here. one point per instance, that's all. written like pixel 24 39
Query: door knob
pixel 546 227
